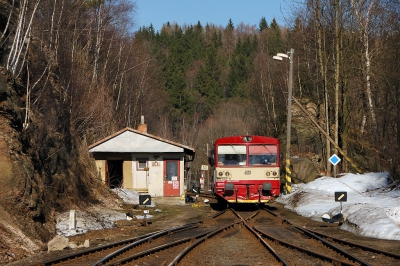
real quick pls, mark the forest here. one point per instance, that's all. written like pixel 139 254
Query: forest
pixel 80 73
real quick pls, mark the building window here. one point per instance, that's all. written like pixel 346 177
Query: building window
pixel 141 164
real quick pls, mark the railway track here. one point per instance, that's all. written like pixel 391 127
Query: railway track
pixel 302 246
pixel 152 242
pixel 93 255
pixel 232 237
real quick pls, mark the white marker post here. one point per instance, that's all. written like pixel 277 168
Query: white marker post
pixel 334 160
pixel 72 219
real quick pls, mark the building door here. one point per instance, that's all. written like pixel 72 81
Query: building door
pixel 142 181
pixel 114 174
pixel 172 179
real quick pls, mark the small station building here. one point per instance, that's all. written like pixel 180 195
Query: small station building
pixel 134 159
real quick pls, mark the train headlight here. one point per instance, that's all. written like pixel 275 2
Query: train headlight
pixel 275 173
pixel 220 173
pixel 266 189
pixel 247 138
pixel 227 173
pixel 268 173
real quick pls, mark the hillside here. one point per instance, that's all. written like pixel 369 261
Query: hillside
pixel 15 243
pixel 36 179
pixel 42 169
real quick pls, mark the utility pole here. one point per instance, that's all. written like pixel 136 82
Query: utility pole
pixel 280 56
pixel 289 125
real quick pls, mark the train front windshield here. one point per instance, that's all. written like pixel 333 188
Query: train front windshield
pixel 232 155
pixel 263 154
pixel 260 154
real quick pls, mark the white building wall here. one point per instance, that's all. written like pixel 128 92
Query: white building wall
pixel 155 175
pixel 182 176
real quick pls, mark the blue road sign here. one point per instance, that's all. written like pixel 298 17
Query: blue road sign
pixel 334 159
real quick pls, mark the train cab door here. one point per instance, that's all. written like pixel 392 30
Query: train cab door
pixel 171 178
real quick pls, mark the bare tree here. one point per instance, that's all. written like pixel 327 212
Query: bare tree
pixel 264 89
pixel 22 37
pixel 363 11
pixel 99 39
pixel 337 68
pixel 10 15
pixel 323 68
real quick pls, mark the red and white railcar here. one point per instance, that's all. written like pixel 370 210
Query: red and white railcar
pixel 246 169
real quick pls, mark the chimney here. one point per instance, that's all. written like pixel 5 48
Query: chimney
pixel 142 126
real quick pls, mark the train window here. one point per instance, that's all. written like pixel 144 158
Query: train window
pixel 263 154
pixel 231 155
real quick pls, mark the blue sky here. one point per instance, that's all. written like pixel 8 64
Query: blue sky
pixel 217 12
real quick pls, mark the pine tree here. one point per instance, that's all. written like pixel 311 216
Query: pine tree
pixel 241 66
pixel 275 43
pixel 230 25
pixel 207 82
pixel 263 25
